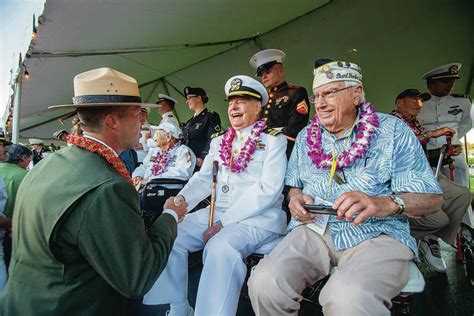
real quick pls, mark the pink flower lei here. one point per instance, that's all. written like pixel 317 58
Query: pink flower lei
pixel 161 161
pixel 368 121
pixel 225 152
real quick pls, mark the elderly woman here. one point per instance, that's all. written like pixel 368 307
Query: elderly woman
pixel 170 159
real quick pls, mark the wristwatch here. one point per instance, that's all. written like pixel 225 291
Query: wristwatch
pixel 399 201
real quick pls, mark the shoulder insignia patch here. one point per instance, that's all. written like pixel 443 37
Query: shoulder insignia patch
pixel 302 108
pixel 217 134
pixel 272 131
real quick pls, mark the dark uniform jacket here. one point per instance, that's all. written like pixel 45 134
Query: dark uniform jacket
pixel 80 244
pixel 287 107
pixel 38 155
pixel 197 131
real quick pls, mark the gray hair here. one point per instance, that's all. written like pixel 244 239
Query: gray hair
pixel 16 152
pixel 353 84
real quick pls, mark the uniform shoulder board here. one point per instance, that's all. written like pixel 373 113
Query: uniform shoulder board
pixel 456 95
pixel 272 131
pixel 217 134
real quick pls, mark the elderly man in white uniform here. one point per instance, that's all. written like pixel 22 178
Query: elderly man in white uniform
pixel 170 159
pixel 248 212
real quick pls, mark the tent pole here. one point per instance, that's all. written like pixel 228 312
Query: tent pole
pixel 16 107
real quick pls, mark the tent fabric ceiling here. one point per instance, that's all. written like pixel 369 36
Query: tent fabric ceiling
pixel 396 42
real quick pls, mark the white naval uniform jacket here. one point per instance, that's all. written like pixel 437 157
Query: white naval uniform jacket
pixel 181 163
pixel 447 111
pixel 257 191
pixel 170 118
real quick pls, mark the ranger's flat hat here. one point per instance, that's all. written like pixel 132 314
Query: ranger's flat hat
pixel 164 97
pixel 445 71
pixel 242 85
pixel 265 59
pixel 104 87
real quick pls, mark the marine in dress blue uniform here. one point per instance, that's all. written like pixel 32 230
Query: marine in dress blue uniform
pixel 288 105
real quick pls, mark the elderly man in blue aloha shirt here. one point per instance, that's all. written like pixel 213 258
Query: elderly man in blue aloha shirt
pixel 371 169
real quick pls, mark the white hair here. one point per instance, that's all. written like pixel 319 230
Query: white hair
pixel 353 84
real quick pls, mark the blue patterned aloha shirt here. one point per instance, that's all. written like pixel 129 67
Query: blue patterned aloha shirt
pixel 394 163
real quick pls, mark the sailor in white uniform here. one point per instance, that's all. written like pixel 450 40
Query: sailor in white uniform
pixel 447 110
pixel 248 214
pixel 165 108
pixel 170 159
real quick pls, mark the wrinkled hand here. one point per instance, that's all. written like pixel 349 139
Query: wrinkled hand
pixel 455 150
pixel 297 210
pixel 441 131
pixel 199 162
pixel 180 209
pixel 178 200
pixel 211 231
pixel 137 180
pixel 356 203
pixel 146 135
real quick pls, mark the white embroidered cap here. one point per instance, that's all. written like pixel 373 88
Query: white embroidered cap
pixel 336 71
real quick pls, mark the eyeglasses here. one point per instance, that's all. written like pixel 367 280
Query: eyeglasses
pixel 326 95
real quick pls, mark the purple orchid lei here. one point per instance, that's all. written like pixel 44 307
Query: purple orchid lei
pixel 161 160
pixel 368 121
pixel 225 152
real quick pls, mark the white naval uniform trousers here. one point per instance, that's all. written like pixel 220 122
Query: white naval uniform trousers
pixel 253 218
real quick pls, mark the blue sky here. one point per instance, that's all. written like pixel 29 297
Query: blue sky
pixel 16 20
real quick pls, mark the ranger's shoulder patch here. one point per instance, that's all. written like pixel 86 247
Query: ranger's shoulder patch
pixel 272 131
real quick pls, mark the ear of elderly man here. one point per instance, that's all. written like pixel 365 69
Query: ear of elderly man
pixel 371 169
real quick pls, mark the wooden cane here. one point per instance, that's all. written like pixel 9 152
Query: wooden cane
pixel 451 161
pixel 215 169
pixel 459 254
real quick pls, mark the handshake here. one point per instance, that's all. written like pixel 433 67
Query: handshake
pixel 178 205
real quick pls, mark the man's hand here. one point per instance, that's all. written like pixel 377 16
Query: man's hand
pixel 178 199
pixel 136 181
pixel 199 162
pixel 5 223
pixel 440 132
pixel 297 210
pixel 180 209
pixel 354 203
pixel 211 231
pixel 455 150
pixel 146 135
